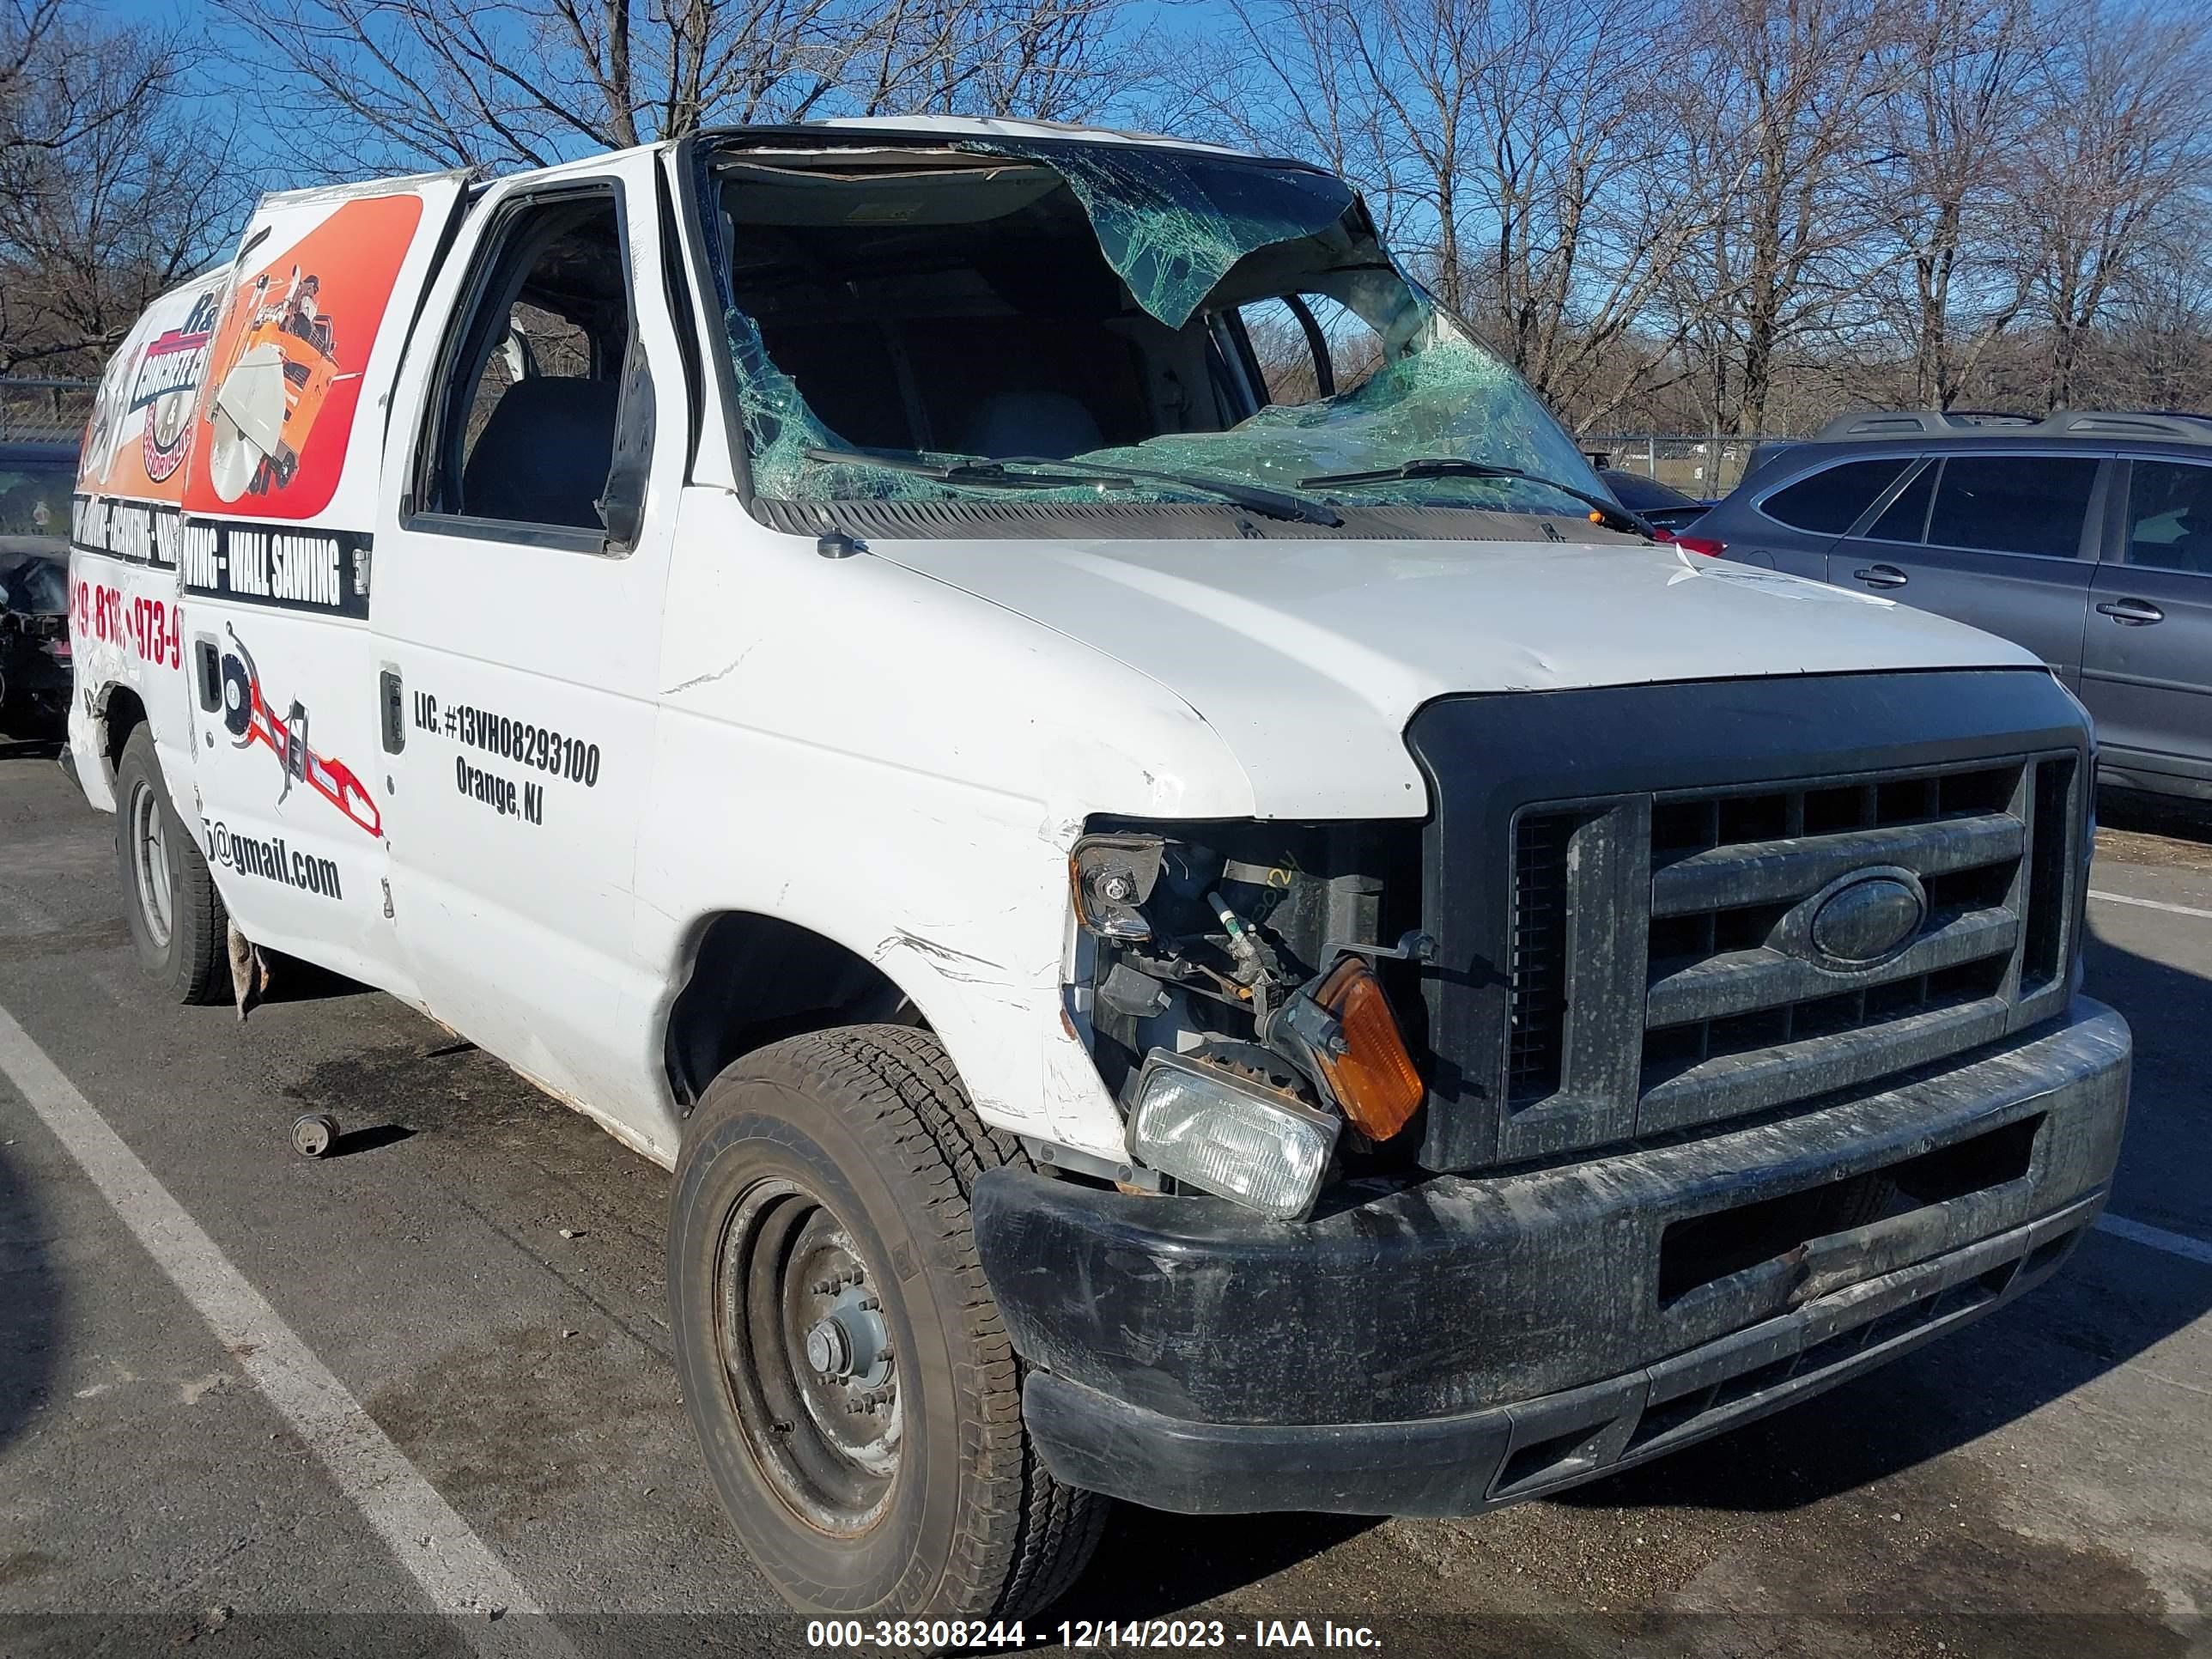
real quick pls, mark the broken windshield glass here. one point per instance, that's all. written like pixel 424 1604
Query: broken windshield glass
pixel 1085 304
pixel 1173 222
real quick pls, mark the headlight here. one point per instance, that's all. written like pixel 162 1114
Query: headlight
pixel 1204 1125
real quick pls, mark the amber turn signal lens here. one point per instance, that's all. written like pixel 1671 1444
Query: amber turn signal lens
pixel 1373 1080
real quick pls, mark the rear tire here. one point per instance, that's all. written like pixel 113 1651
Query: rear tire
pixel 177 922
pixel 853 1386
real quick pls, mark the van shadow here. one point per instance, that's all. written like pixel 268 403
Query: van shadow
pixel 2112 1300
pixel 291 979
pixel 30 1301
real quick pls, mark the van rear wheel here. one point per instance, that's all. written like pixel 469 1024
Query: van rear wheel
pixel 177 922
pixel 844 1365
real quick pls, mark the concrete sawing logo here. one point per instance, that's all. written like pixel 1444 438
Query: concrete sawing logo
pixel 169 378
pixel 272 385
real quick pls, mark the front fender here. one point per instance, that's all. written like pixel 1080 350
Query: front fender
pixel 898 766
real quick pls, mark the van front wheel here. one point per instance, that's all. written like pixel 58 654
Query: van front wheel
pixel 177 922
pixel 842 1358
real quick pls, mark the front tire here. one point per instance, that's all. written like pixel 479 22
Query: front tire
pixel 854 1390
pixel 177 922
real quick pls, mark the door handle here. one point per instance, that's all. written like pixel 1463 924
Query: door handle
pixel 394 713
pixel 207 674
pixel 1881 575
pixel 2131 613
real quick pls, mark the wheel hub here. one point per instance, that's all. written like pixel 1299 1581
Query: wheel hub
pixel 850 1345
pixel 809 1356
pixel 150 863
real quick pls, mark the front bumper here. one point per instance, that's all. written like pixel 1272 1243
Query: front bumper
pixel 1446 1347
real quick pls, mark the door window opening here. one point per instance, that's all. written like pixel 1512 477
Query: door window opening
pixel 529 415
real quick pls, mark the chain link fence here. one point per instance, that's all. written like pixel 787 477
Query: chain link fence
pixel 1707 468
pixel 34 409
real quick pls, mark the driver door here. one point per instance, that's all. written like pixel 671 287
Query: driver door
pixel 521 568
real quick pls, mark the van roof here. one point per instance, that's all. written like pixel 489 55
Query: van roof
pixel 893 132
pixel 992 126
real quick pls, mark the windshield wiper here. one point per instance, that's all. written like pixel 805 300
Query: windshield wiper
pixel 977 470
pixel 1612 515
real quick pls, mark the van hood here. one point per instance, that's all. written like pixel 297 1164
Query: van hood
pixel 1309 656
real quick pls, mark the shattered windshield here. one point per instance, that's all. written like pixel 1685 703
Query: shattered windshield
pixel 1213 323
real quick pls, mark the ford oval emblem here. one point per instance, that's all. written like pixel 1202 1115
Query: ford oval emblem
pixel 1867 919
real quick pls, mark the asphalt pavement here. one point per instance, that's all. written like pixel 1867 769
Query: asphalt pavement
pixel 253 1404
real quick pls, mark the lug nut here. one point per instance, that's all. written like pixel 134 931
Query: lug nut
pixel 827 1350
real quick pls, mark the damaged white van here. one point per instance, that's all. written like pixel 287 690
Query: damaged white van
pixel 1198 916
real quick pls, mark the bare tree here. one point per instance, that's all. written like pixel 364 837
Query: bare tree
pixel 2116 163
pixel 1277 77
pixel 1519 152
pixel 529 83
pixel 115 181
pixel 1581 177
pixel 1950 136
pixel 1780 111
pixel 62 81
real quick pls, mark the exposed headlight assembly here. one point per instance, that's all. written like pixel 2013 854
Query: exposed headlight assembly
pixel 1204 1125
pixel 1345 1027
pixel 1112 877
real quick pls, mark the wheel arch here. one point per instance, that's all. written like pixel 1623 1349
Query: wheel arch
pixel 117 711
pixel 754 979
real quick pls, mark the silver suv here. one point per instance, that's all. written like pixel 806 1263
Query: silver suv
pixel 2085 537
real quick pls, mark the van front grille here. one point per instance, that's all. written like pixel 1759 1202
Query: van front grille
pixel 1739 1009
pixel 1742 1009
pixel 1537 999
pixel 1656 907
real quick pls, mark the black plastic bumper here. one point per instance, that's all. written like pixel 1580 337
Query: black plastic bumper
pixel 1447 1347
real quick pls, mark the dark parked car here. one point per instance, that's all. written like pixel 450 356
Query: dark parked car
pixel 2085 537
pixel 1653 501
pixel 34 643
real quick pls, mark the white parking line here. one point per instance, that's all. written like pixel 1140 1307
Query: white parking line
pixel 456 1570
pixel 2180 1244
pixel 2151 904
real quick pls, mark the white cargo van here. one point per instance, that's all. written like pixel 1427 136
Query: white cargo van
pixel 1198 914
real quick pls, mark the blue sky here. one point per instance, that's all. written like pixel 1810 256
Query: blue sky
pixel 236 55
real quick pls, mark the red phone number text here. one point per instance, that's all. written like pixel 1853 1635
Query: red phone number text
pixel 153 628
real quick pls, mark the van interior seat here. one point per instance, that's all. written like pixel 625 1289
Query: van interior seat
pixel 1050 423
pixel 544 452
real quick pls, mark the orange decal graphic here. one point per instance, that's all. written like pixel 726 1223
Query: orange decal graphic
pixel 283 375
